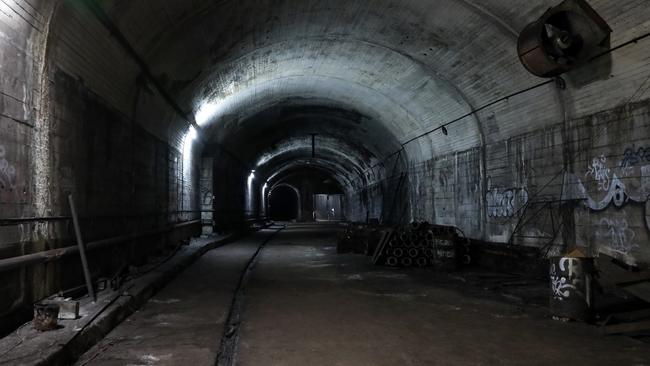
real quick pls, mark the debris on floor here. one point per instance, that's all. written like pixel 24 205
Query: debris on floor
pixel 627 307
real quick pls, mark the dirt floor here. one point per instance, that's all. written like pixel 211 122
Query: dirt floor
pixel 304 304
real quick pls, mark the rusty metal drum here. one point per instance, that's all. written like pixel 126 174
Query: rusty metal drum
pixel 45 317
pixel 571 294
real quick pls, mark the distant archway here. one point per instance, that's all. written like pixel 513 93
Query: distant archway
pixel 284 203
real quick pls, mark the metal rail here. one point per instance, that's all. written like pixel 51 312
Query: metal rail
pixel 55 254
pixel 24 220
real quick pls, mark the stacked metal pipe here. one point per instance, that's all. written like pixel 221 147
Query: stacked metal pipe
pixel 418 244
pixel 356 238
pixel 421 244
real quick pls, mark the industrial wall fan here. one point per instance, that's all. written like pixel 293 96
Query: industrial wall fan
pixel 564 37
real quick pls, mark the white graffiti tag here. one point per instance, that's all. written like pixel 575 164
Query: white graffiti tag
pixel 600 172
pixel 571 265
pixel 560 287
pixel 505 203
pixel 7 172
pixel 617 233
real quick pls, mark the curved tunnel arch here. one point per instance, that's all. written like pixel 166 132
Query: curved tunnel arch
pixel 467 9
pixel 286 45
pixel 99 98
pixel 299 209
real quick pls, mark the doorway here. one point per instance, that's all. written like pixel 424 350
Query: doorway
pixel 328 207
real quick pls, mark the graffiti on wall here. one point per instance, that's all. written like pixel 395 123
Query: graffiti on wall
pixel 610 189
pixel 633 156
pixel 207 198
pixel 600 172
pixel 445 173
pixel 66 178
pixel 563 279
pixel 615 194
pixel 505 202
pixel 617 233
pixel 616 191
pixel 7 172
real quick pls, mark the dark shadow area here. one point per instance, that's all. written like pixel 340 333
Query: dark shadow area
pixel 283 204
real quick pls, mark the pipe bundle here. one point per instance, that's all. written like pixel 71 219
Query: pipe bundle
pixel 421 244
pixel 418 244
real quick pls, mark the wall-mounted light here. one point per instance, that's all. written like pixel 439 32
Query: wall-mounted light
pixel 444 131
pixel 205 113
pixel 249 192
pixel 188 143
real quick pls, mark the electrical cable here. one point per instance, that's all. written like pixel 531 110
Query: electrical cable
pixel 505 98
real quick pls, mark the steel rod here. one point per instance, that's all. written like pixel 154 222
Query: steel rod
pixel 82 249
pixel 22 220
pixel 54 254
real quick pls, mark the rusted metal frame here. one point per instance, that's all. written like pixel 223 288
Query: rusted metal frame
pixel 526 221
pixel 55 254
pixel 545 202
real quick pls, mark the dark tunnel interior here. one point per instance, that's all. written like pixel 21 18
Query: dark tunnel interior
pixel 283 204
pixel 426 182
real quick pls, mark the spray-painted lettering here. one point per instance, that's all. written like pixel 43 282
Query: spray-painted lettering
pixel 561 287
pixel 600 172
pixel 617 234
pixel 633 156
pixel 505 203
pixel 7 172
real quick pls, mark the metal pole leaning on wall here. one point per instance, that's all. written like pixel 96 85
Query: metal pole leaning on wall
pixel 82 249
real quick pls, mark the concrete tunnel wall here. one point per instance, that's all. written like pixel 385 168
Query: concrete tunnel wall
pixel 78 115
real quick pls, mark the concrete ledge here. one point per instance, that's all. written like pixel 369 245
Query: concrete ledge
pixel 27 346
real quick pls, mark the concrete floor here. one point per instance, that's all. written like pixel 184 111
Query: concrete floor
pixel 306 305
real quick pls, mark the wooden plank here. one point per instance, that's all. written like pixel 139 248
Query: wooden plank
pixel 382 244
pixel 628 327
pixel 631 316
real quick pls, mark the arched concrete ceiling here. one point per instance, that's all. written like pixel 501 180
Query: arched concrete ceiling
pixel 407 66
pixel 248 133
pixel 343 164
pixel 289 173
pixel 334 171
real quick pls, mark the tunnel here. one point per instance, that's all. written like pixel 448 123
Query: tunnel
pixel 284 204
pixel 347 182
